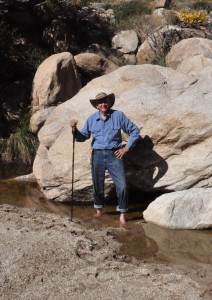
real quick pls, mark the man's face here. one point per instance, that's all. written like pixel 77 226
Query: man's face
pixel 102 105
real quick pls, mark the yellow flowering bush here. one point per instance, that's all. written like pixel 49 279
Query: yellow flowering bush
pixel 191 17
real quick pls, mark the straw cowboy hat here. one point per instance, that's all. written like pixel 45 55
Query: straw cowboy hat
pixel 101 96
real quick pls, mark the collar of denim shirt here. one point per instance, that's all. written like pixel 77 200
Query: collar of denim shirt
pixel 99 117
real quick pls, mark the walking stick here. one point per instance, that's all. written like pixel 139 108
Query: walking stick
pixel 72 181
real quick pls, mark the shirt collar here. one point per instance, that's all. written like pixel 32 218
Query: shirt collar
pixel 99 118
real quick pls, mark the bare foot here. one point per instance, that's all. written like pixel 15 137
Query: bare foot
pixel 122 219
pixel 98 213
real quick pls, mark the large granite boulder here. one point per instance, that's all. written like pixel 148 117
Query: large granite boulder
pixel 91 65
pixel 56 80
pixel 191 209
pixel 189 48
pixel 173 112
pixel 126 43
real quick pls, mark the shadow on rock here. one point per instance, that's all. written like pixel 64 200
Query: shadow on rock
pixel 144 166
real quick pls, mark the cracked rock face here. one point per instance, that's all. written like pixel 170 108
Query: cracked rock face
pixel 173 112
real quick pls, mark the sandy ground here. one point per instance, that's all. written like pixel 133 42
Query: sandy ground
pixel 46 256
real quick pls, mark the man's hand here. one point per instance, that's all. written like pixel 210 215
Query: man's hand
pixel 121 152
pixel 73 124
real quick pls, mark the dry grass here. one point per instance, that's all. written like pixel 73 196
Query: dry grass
pixel 20 146
pixel 189 4
pixel 176 4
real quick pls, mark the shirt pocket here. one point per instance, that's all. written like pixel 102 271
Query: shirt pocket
pixel 96 131
pixel 115 133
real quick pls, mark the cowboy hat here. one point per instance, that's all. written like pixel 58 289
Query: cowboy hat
pixel 101 96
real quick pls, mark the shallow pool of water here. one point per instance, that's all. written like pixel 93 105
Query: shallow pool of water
pixel 141 240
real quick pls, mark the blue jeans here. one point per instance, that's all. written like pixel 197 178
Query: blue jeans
pixel 103 160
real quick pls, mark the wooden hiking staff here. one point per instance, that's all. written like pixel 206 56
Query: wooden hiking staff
pixel 72 171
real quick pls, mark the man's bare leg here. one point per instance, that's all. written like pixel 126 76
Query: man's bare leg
pixel 122 219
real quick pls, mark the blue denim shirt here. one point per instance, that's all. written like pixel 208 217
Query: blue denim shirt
pixel 107 133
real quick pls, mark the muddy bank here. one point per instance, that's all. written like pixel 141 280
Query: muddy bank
pixel 46 256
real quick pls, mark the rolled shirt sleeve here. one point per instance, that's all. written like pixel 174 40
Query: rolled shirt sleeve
pixel 131 129
pixel 83 134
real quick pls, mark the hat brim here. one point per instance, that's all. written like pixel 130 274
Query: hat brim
pixel 110 97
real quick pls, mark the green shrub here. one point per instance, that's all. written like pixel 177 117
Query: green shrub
pixel 20 146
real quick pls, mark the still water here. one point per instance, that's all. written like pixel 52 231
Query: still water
pixel 140 239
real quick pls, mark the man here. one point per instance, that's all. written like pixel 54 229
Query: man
pixel 105 127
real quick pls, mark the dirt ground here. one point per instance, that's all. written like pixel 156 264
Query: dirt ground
pixel 47 256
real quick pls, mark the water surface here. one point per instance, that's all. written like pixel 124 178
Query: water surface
pixel 141 240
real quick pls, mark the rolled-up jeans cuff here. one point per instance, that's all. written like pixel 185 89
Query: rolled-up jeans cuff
pixel 98 206
pixel 121 210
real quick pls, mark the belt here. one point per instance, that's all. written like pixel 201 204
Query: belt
pixel 113 149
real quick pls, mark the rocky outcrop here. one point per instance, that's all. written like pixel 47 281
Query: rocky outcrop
pixel 56 80
pixel 188 48
pixel 190 209
pixel 159 43
pixel 126 42
pixel 92 65
pixel 173 113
